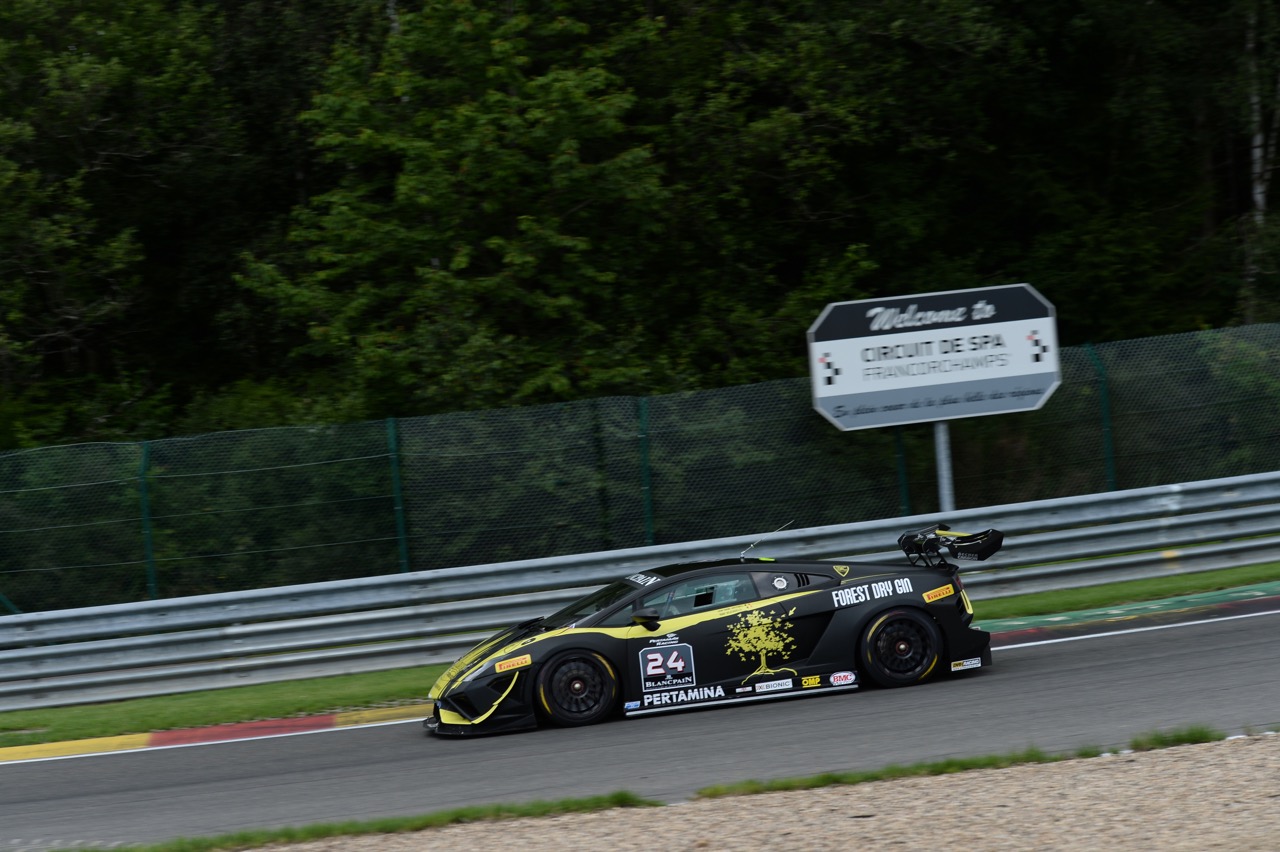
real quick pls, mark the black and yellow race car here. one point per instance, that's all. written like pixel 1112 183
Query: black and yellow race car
pixel 724 632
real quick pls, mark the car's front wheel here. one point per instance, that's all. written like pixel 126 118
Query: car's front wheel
pixel 901 647
pixel 577 688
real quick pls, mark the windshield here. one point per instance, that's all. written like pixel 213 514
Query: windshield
pixel 590 605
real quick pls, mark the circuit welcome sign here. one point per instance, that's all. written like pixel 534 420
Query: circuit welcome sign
pixel 937 356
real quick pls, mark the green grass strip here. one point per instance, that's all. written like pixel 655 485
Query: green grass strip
pixel 398 825
pixel 1145 742
pixel 1131 591
pixel 282 700
pixel 833 779
pixel 1182 736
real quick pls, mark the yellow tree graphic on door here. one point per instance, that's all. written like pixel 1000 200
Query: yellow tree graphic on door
pixel 761 634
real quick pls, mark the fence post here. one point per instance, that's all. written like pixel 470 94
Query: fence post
pixel 602 475
pixel 397 493
pixel 148 540
pixel 646 481
pixel 904 486
pixel 1104 405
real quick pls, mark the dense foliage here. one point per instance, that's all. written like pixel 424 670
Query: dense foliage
pixel 260 212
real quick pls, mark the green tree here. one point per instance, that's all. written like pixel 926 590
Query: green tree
pixel 143 146
pixel 479 248
pixel 93 105
pixel 551 200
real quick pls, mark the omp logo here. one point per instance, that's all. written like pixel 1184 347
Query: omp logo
pixel 513 663
pixel 938 594
pixel 811 680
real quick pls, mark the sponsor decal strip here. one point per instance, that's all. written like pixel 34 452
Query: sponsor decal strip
pixel 738 700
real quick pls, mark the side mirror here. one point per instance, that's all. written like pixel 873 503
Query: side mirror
pixel 647 616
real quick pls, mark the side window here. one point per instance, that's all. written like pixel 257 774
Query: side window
pixel 621 618
pixel 702 593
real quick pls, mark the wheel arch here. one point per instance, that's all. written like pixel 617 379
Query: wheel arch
pixel 538 697
pixel 868 625
pixel 883 607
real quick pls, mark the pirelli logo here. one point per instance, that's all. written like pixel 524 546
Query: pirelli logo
pixel 513 663
pixel 938 594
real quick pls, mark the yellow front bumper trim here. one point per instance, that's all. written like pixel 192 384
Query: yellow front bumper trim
pixel 448 717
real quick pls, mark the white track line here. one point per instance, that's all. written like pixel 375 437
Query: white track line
pixel 1131 630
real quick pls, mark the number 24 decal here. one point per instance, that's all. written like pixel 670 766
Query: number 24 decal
pixel 654 665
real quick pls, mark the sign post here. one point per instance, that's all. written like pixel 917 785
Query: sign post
pixel 934 357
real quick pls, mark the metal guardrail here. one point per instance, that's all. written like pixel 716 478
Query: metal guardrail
pixel 158 647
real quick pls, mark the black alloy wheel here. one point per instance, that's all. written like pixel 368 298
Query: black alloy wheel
pixel 901 647
pixel 577 688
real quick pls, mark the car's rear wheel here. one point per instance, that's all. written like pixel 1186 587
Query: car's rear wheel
pixel 901 647
pixel 577 688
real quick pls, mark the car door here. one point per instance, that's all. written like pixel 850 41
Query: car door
pixel 686 659
pixel 798 621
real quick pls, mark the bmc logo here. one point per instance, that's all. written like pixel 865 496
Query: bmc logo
pixel 843 679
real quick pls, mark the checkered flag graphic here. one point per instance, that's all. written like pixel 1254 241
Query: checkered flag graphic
pixel 830 369
pixel 1038 347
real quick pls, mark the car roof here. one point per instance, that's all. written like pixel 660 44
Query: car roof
pixel 679 569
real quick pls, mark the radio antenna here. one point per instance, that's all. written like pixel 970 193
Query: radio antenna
pixel 766 535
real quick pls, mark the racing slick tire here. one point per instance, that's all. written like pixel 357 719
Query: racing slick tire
pixel 900 647
pixel 576 688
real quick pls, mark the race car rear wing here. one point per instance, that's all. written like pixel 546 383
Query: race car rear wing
pixel 926 545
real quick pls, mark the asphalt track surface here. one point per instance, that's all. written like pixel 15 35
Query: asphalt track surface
pixel 1058 692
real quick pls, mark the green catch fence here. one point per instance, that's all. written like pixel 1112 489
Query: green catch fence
pixel 113 523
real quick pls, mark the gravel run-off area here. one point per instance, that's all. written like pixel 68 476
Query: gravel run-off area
pixel 1215 796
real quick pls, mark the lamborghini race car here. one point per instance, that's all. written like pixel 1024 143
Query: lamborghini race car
pixel 724 632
